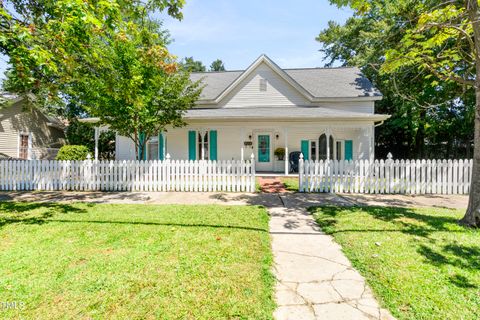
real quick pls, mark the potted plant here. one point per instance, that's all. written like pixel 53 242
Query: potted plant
pixel 279 153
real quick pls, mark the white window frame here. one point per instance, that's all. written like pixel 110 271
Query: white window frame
pixel 152 140
pixel 342 149
pixel 316 148
pixel 200 151
pixel 29 147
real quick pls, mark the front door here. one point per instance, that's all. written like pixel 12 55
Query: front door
pixel 264 152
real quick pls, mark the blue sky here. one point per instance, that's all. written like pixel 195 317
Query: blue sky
pixel 239 31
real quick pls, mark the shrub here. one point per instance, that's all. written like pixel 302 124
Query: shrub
pixel 72 152
pixel 279 153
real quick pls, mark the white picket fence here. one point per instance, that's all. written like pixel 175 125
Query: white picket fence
pixel 386 176
pixel 167 175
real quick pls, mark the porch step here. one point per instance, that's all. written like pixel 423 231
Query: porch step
pixel 271 185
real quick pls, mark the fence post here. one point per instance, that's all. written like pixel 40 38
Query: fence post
pixel 167 169
pixel 252 164
pixel 300 173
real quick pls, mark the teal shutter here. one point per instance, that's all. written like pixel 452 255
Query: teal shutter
pixel 213 144
pixel 161 147
pixel 348 149
pixel 141 140
pixel 304 149
pixel 192 147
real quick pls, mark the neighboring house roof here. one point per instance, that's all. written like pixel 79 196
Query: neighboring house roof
pixel 288 113
pixel 316 84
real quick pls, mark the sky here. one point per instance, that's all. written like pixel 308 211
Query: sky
pixel 238 32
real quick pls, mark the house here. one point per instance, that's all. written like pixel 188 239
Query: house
pixel 28 134
pixel 326 113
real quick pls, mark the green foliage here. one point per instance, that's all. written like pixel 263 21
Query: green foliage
pixel 217 65
pixel 79 133
pixel 72 152
pixel 279 152
pixel 46 40
pixel 424 109
pixel 109 57
pixel 192 65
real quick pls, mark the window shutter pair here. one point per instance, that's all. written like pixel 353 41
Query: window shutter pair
pixel 192 145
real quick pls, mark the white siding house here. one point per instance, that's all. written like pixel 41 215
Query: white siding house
pixel 325 113
pixel 28 134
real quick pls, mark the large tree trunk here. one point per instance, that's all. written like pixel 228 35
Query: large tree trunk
pixel 472 216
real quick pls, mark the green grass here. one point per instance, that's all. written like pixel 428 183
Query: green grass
pixel 79 261
pixel 291 184
pixel 420 263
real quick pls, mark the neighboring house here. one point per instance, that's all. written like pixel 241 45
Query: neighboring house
pixel 326 113
pixel 28 134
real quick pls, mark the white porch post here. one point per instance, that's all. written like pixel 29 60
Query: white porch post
pixel 328 143
pixel 97 131
pixel 285 133
pixel 242 138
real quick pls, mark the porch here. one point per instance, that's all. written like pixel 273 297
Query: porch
pixel 270 143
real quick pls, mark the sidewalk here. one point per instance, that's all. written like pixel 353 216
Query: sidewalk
pixel 315 279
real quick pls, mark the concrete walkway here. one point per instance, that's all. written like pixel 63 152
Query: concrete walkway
pixel 315 279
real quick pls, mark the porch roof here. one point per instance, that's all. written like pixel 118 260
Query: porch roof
pixel 286 113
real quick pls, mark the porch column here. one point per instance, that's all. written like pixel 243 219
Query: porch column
pixel 242 138
pixel 285 134
pixel 328 143
pixel 97 133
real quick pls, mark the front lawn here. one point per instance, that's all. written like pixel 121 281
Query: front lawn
pixel 87 261
pixel 419 262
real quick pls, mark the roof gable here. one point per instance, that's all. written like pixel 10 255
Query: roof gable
pixel 315 84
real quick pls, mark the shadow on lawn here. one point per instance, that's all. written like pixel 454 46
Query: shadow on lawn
pixel 437 252
pixel 32 213
pixel 166 224
pixel 39 213
pixel 405 220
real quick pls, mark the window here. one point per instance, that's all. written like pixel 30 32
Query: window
pixel 24 145
pixel 322 147
pixel 338 151
pixel 313 150
pixel 203 146
pixel 152 149
pixel 263 84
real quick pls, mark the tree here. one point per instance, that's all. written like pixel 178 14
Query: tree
pixel 445 42
pixel 192 65
pixel 45 40
pixel 419 121
pixel 137 89
pixel 439 43
pixel 217 65
pixel 109 57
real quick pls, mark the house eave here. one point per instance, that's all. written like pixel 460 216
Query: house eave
pixel 312 99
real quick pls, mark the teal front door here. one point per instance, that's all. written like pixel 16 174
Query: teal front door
pixel 264 152
pixel 263 148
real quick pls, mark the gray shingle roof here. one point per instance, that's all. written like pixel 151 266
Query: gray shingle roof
pixel 296 112
pixel 345 82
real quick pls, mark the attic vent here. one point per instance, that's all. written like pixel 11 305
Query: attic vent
pixel 263 84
